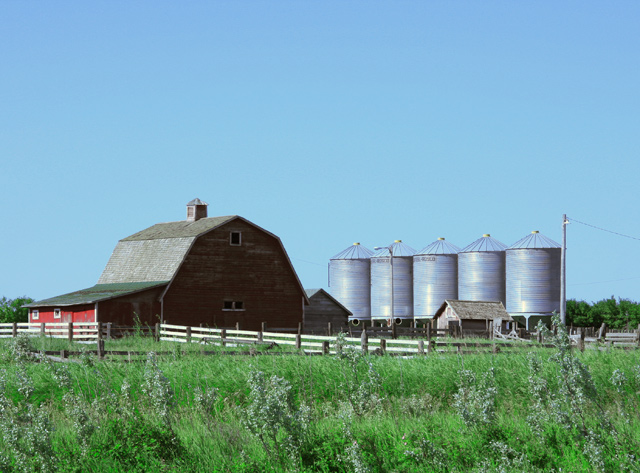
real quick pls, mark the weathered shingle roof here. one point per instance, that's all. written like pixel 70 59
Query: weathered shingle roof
pixel 97 293
pixel 475 310
pixel 155 254
pixel 179 229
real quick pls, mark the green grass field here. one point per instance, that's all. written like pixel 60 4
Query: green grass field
pixel 530 410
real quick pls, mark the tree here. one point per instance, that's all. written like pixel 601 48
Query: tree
pixel 11 310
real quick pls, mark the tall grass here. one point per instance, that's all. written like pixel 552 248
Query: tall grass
pixel 546 410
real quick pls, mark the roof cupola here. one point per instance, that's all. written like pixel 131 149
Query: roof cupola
pixel 196 209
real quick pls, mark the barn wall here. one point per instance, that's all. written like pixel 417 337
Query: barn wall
pixel 79 313
pixel 256 273
pixel 121 311
pixel 320 312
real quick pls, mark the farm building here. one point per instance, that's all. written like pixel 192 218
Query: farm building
pixel 215 271
pixel 322 310
pixel 471 315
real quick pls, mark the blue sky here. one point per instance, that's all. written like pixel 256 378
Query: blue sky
pixel 324 122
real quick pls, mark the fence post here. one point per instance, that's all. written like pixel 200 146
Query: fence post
pixel 383 346
pixel 188 334
pixel 638 336
pixel 582 335
pixel 394 335
pixel 429 347
pixel 328 329
pixel 100 348
pixel 156 334
pixel 364 341
pixel 223 336
pixel 42 328
pixel 602 333
pixel 420 347
pixel 108 330
pixel 325 347
pixel 70 331
pixel 237 325
pixel 15 330
pixel 263 327
pixel 299 328
pixel 298 341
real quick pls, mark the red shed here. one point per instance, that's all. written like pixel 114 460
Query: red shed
pixel 216 271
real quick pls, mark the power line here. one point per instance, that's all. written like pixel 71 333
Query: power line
pixel 603 229
pixel 602 282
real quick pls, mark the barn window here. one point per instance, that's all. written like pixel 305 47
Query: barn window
pixel 35 314
pixel 56 313
pixel 235 238
pixel 233 305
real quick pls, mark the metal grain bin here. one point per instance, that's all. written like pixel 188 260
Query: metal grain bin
pixel 350 280
pixel 481 270
pixel 533 277
pixel 435 277
pixel 381 285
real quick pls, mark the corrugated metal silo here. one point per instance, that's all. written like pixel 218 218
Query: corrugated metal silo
pixel 381 286
pixel 481 270
pixel 435 277
pixel 533 277
pixel 350 280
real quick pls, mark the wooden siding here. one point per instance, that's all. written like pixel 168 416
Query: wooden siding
pixel 320 312
pixel 256 273
pixel 79 313
pixel 122 310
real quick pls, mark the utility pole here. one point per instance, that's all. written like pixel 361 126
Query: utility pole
pixel 563 272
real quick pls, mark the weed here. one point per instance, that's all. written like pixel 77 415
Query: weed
pixel 272 417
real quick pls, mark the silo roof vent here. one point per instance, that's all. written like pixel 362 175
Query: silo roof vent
pixel 486 243
pixel 534 240
pixel 355 251
pixel 439 247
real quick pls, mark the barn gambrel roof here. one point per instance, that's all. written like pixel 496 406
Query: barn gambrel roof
pixel 150 258
pixel 156 253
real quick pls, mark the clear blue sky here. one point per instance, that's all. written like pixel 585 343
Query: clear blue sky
pixel 325 122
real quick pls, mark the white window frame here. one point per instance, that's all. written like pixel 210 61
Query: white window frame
pixel 35 315
pixel 239 238
pixel 57 314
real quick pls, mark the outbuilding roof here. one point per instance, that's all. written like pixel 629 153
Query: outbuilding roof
pixel 312 292
pixel 475 310
pixel 97 293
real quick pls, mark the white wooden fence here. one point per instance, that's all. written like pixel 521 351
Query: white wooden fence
pixel 85 331
pixel 308 343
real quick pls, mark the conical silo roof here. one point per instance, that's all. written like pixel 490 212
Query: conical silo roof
pixel 486 243
pixel 534 240
pixel 397 248
pixel 439 247
pixel 355 251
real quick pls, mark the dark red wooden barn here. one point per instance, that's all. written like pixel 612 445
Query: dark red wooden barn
pixel 215 271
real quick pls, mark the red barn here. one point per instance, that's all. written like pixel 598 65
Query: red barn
pixel 216 271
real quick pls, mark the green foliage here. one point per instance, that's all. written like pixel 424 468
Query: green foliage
pixel 616 313
pixel 11 310
pixel 550 410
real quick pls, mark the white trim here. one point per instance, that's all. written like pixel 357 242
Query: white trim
pixel 57 311
pixel 35 314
